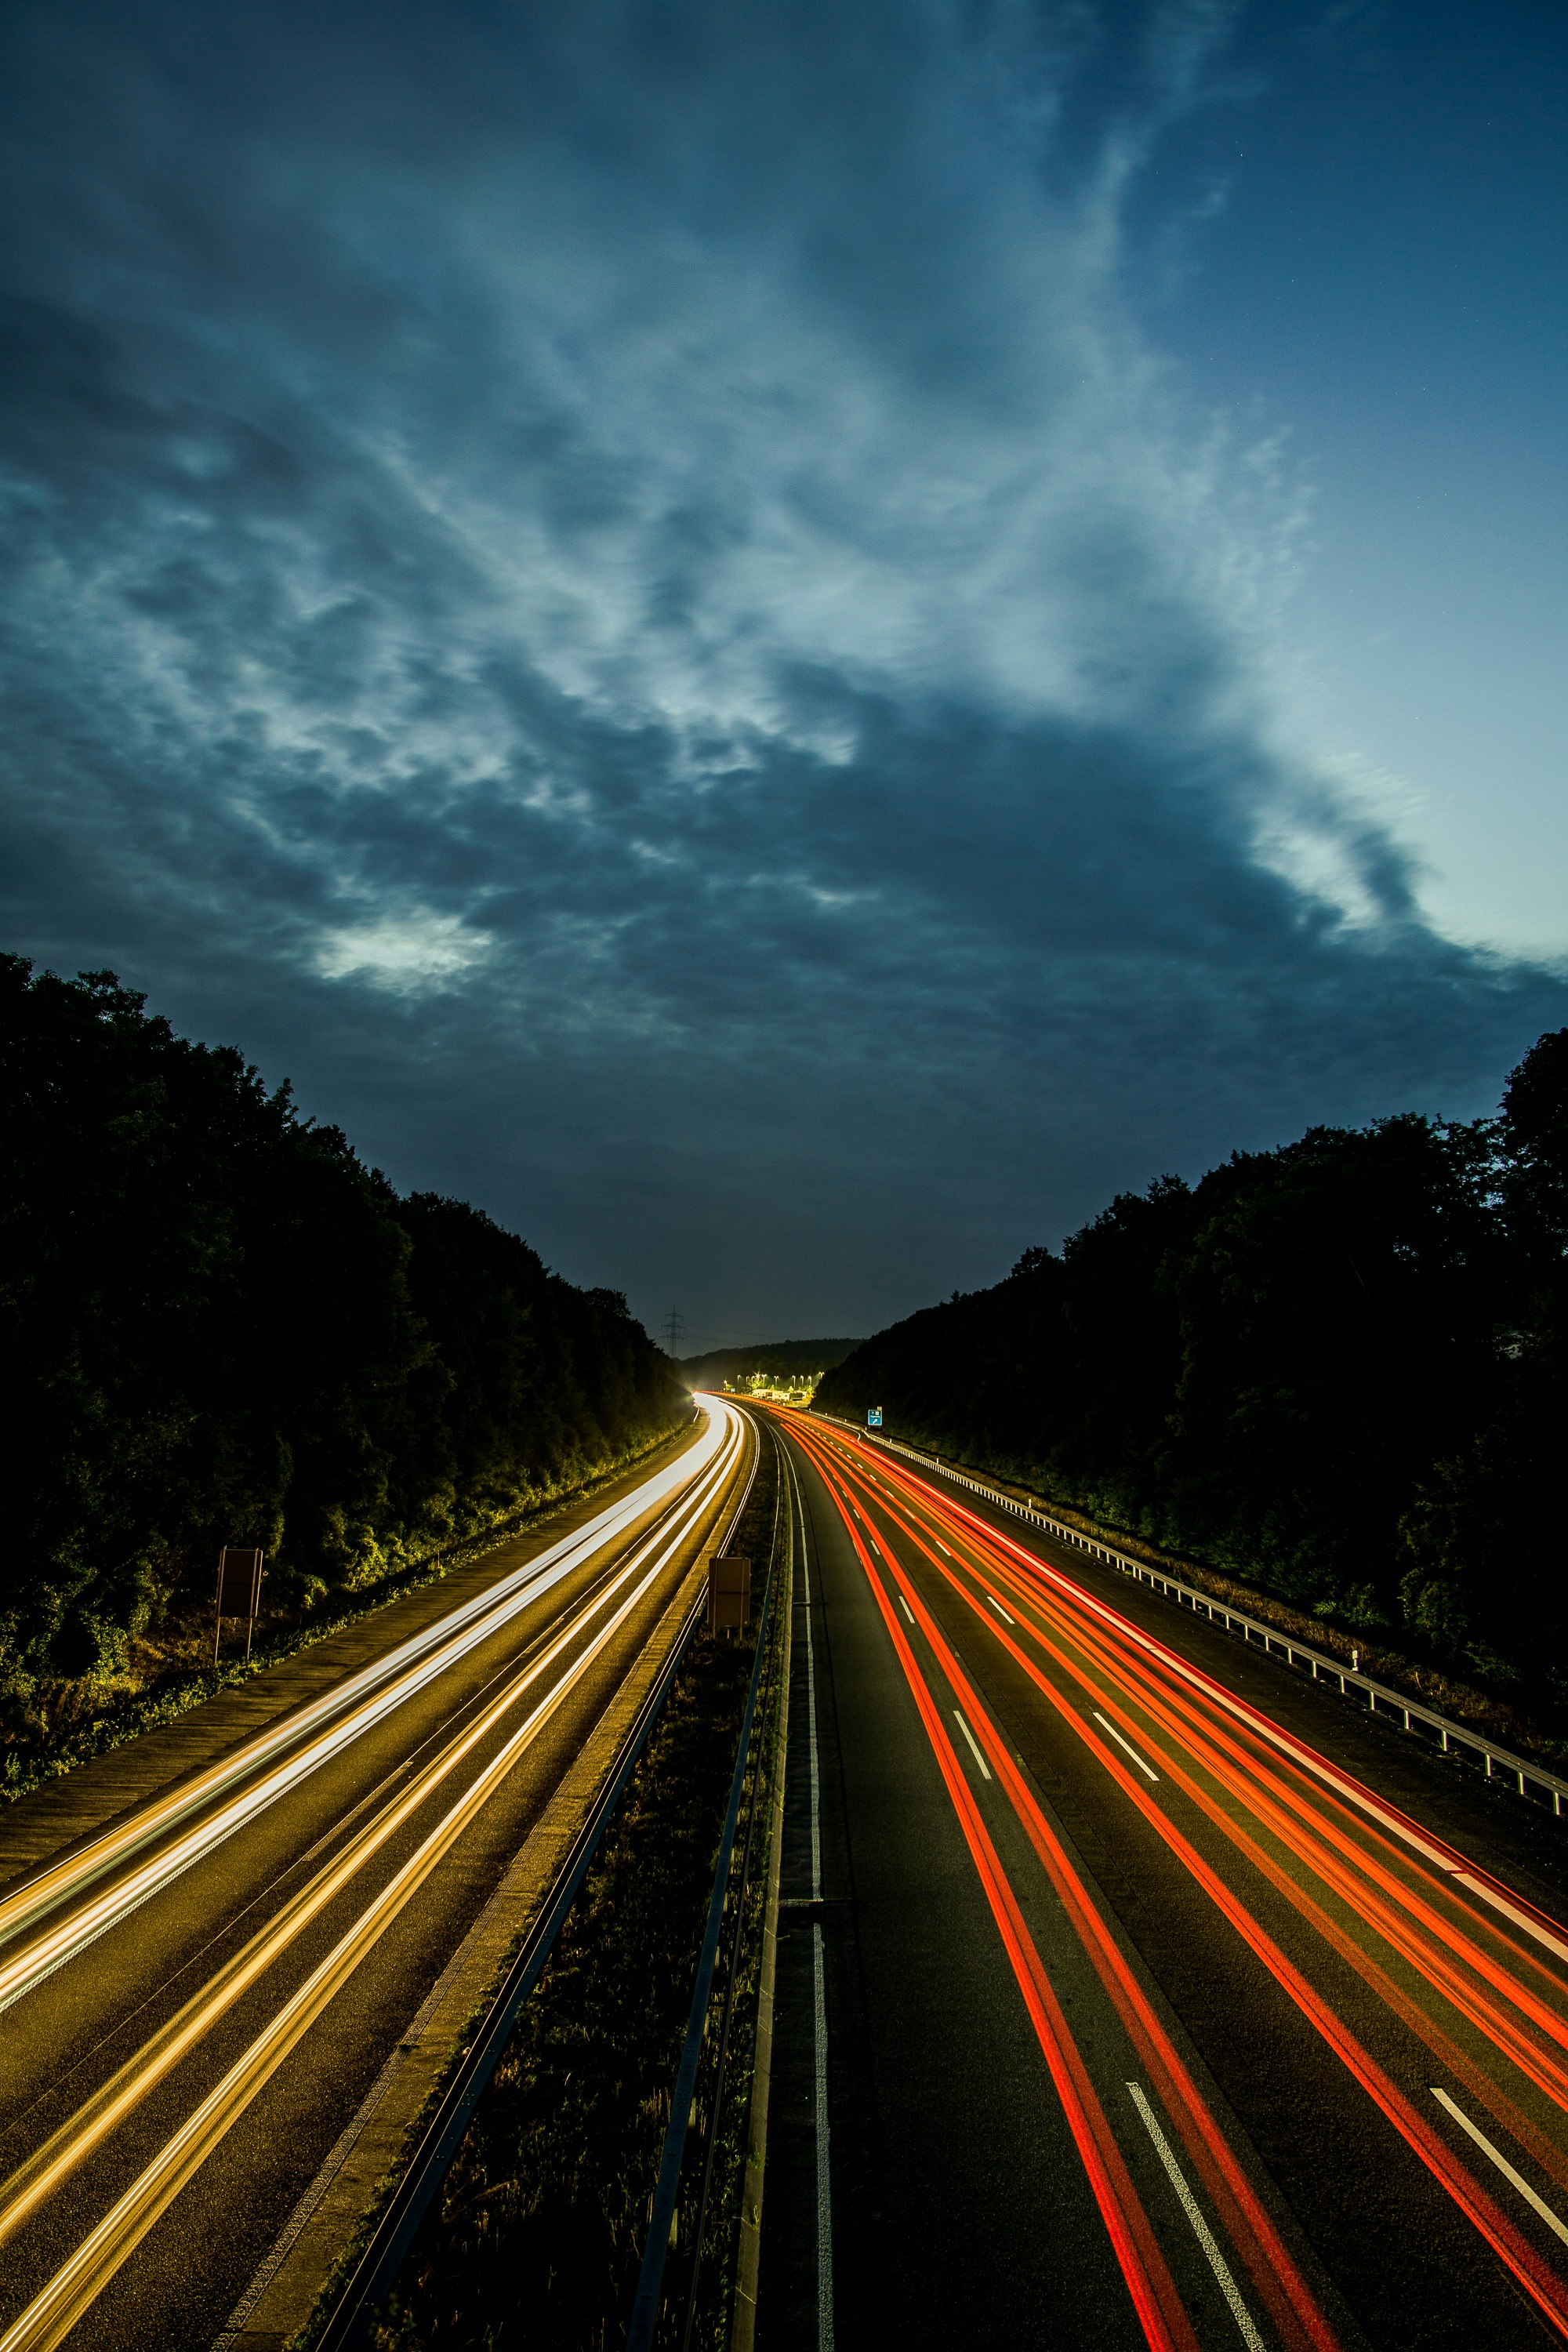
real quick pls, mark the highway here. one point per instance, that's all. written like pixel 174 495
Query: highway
pixel 1114 2009
pixel 197 1994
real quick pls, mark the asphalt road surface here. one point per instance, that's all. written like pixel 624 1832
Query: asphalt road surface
pixel 197 1994
pixel 1128 1992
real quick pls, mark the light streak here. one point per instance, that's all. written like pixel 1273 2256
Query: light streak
pixel 1366 1866
pixel 1174 1709
pixel 46 2171
pixel 1247 1787
pixel 68 2293
pixel 1441 1857
pixel 1159 2307
pixel 1280 2284
pixel 423 1658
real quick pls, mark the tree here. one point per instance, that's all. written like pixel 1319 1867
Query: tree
pixel 218 1324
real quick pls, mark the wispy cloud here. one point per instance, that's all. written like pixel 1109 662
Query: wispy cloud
pixel 661 549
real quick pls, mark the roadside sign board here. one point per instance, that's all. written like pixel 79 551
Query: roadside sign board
pixel 239 1581
pixel 238 1589
pixel 874 1416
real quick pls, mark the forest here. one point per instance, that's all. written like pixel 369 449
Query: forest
pixel 1338 1369
pixel 220 1326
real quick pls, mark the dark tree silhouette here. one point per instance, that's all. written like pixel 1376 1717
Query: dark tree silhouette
pixel 1340 1369
pixel 217 1324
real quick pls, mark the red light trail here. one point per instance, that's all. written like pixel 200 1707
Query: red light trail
pixel 1365 1886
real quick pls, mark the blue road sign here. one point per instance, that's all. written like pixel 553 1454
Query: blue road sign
pixel 874 1416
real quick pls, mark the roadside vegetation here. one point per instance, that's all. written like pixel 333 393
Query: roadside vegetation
pixel 218 1325
pixel 169 1669
pixel 1337 1372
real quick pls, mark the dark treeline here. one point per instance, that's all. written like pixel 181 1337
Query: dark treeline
pixel 220 1326
pixel 1339 1369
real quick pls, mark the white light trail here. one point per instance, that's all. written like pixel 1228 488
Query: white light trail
pixel 378 1689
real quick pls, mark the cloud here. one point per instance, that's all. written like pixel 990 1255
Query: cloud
pixel 413 950
pixel 649 561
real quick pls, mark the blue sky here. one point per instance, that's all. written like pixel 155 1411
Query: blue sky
pixel 1385 280
pixel 788 643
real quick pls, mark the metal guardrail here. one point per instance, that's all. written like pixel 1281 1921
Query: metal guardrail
pixel 648 2303
pixel 1453 1738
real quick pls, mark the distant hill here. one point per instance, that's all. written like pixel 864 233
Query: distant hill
pixel 797 1356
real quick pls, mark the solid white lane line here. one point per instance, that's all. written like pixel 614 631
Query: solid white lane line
pixel 1000 1611
pixel 984 1768
pixel 906 1610
pixel 824 2169
pixel 1201 2230
pixel 1502 2163
pixel 1146 1769
pixel 818 1965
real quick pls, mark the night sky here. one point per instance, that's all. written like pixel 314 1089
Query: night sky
pixel 786 642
